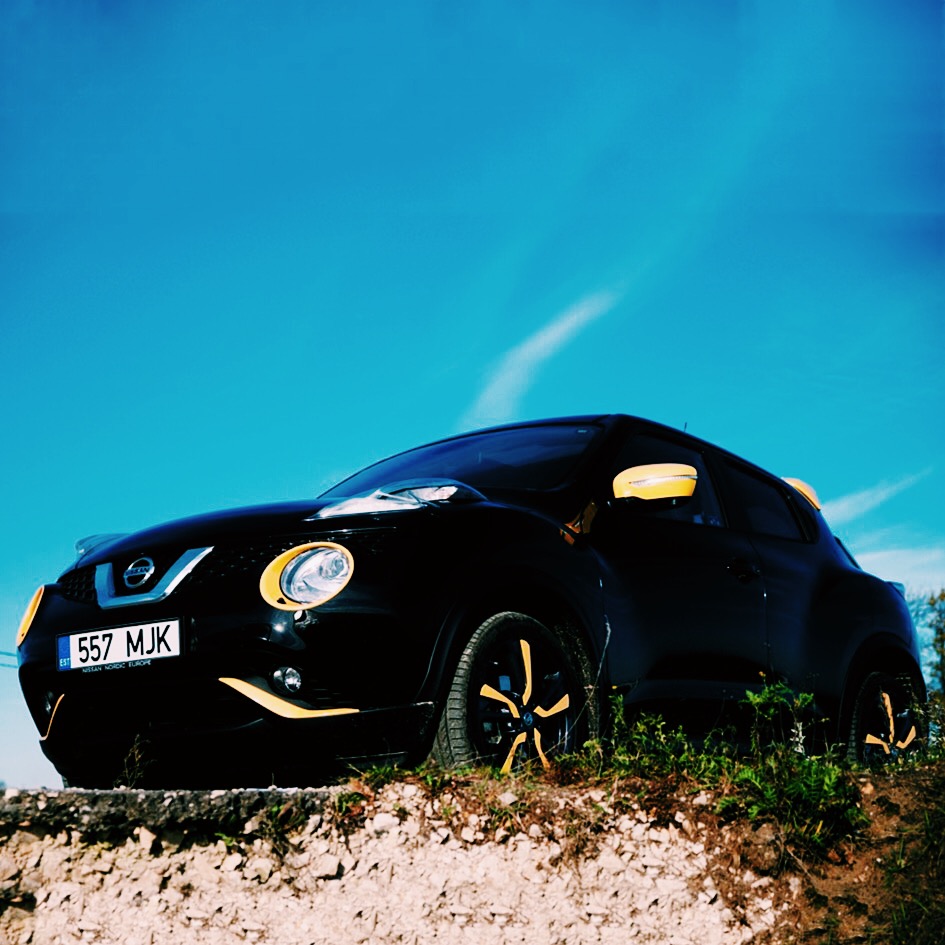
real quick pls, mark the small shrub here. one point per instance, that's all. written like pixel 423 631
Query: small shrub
pixel 936 623
pixel 347 802
pixel 230 842
pixel 135 764
pixel 811 799
pixel 377 776
pixel 437 779
pixel 277 823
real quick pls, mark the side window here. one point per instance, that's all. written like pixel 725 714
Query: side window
pixel 760 506
pixel 703 508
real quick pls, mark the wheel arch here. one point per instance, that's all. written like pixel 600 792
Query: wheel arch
pixel 882 652
pixel 536 598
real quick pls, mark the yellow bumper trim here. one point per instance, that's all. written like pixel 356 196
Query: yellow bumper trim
pixel 280 707
pixel 31 608
pixel 52 718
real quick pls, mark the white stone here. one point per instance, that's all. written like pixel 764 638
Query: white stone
pixel 382 823
pixel 326 866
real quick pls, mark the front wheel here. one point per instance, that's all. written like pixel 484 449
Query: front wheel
pixel 885 724
pixel 521 692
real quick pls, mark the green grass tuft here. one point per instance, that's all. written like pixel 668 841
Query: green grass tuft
pixel 812 800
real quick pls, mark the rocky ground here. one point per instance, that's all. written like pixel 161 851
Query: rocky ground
pixel 483 861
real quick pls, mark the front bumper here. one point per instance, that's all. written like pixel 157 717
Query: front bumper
pixel 217 737
pixel 214 715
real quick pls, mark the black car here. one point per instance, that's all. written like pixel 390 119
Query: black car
pixel 478 599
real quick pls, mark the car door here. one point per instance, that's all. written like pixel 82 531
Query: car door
pixel 763 510
pixel 684 600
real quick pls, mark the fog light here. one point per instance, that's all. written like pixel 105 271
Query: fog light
pixel 289 678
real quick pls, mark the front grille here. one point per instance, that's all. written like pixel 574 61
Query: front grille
pixel 79 585
pixel 225 563
pixel 222 564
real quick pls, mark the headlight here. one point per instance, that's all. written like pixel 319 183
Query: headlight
pixel 306 576
pixel 402 496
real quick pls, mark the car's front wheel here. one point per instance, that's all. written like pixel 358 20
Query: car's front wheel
pixel 521 692
pixel 885 724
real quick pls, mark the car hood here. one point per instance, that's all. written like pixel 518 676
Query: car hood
pixel 376 509
pixel 283 518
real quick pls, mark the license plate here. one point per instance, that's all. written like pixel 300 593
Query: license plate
pixel 136 645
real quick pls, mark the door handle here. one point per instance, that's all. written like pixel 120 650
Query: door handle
pixel 743 570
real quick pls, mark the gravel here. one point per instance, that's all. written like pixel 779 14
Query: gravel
pixel 300 868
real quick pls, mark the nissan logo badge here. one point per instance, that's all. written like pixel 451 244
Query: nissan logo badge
pixel 138 572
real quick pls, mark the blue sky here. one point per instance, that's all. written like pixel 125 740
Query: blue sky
pixel 246 250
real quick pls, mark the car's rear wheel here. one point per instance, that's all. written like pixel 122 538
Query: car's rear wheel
pixel 885 724
pixel 521 692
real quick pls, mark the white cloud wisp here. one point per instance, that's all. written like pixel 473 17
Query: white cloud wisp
pixel 499 399
pixel 922 570
pixel 848 508
pixel 890 553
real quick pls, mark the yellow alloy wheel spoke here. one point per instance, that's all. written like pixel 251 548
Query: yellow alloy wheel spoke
pixel 873 740
pixel 889 712
pixel 908 739
pixel 559 706
pixel 545 762
pixel 519 739
pixel 527 660
pixel 491 693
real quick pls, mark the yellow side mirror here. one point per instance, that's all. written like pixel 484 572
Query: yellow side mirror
pixel 805 490
pixel 656 481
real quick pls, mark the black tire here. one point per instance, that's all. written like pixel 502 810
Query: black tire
pixel 885 724
pixel 491 715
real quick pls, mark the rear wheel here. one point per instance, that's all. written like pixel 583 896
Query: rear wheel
pixel 885 724
pixel 521 692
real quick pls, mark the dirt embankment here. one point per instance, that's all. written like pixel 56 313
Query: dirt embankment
pixel 486 861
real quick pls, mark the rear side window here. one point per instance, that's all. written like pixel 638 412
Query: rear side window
pixel 760 506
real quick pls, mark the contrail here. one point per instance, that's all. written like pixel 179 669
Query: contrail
pixel 500 398
pixel 850 507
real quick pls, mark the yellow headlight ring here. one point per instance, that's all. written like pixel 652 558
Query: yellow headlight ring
pixel 29 614
pixel 270 583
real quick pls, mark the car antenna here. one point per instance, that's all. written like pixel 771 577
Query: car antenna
pixel 685 424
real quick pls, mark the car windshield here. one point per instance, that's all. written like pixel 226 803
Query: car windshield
pixel 539 457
